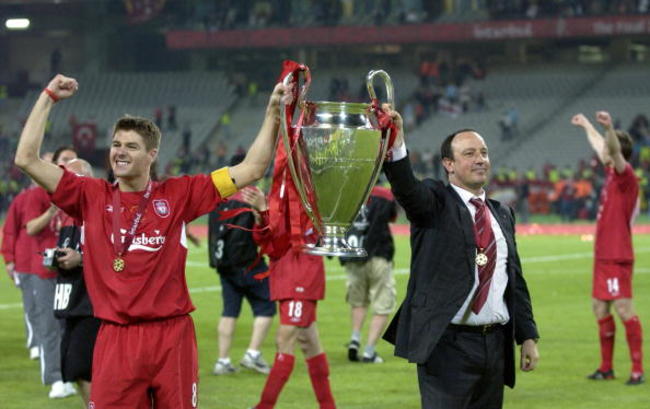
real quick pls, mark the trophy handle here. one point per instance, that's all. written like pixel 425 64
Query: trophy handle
pixel 284 130
pixel 390 98
pixel 388 83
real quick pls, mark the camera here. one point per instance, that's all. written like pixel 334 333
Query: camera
pixel 50 257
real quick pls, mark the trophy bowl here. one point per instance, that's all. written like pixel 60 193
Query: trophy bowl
pixel 334 162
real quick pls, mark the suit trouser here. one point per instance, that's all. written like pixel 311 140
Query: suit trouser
pixel 49 331
pixel 464 371
pixel 26 282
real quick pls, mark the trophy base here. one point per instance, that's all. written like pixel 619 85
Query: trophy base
pixel 335 251
pixel 334 245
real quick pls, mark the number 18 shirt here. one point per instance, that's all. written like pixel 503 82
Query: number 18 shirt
pixel 152 285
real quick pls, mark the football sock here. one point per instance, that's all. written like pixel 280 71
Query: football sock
pixel 606 332
pixel 319 372
pixel 253 353
pixel 356 336
pixel 280 372
pixel 634 336
pixel 369 351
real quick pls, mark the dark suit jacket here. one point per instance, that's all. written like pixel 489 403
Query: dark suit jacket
pixel 442 268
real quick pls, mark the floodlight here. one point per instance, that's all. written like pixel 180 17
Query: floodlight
pixel 17 23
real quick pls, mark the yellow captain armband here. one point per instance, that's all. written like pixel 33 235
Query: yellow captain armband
pixel 223 182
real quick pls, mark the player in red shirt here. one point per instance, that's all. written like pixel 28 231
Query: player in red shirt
pixel 297 282
pixel 135 249
pixel 614 256
pixel 16 251
pixel 44 221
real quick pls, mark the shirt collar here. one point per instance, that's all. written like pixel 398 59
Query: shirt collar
pixel 466 195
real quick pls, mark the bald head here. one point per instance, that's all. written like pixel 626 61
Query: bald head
pixel 80 167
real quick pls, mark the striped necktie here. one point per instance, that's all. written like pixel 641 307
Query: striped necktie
pixel 486 245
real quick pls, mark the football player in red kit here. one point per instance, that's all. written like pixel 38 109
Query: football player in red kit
pixel 297 282
pixel 613 252
pixel 135 248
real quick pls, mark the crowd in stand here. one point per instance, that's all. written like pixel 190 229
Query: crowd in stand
pixel 515 9
pixel 571 192
pixel 444 89
pixel 230 14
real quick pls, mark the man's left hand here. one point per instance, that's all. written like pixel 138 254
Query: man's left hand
pixel 529 355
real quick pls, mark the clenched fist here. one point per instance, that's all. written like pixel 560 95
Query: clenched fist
pixel 63 87
pixel 603 118
pixel 580 120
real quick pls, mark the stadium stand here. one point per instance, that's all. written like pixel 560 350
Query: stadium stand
pixel 623 90
pixel 200 98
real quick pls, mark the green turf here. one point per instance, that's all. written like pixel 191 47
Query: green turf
pixel 560 289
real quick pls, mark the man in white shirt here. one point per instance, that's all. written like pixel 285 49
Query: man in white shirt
pixel 467 301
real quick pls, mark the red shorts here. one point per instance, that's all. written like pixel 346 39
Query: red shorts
pixel 299 313
pixel 612 280
pixel 137 364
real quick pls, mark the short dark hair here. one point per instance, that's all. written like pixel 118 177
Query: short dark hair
pixel 143 127
pixel 625 140
pixel 445 148
pixel 60 150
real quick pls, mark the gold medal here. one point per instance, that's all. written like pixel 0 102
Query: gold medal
pixel 481 259
pixel 118 264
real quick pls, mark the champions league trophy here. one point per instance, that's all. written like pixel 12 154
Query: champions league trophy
pixel 335 157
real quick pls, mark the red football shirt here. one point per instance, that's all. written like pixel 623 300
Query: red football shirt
pixel 152 285
pixel 618 202
pixel 37 203
pixel 16 243
pixel 297 276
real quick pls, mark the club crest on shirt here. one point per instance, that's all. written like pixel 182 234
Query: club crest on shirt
pixel 161 207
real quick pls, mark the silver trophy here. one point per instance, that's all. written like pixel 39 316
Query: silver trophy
pixel 335 161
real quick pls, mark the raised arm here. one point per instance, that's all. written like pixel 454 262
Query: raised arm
pixel 260 153
pixel 37 224
pixel 417 199
pixel 611 141
pixel 28 158
pixel 595 139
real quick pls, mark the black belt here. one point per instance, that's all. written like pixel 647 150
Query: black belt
pixel 478 329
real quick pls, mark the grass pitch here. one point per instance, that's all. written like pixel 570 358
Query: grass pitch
pixel 558 271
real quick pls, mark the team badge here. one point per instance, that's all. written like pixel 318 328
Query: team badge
pixel 161 207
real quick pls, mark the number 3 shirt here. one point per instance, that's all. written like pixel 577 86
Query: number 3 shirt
pixel 152 285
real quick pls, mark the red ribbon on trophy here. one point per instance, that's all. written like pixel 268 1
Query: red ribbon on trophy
pixel 287 219
pixel 386 124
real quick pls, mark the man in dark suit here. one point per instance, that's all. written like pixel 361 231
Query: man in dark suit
pixel 466 301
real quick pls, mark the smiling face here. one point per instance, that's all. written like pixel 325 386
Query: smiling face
pixel 129 156
pixel 470 166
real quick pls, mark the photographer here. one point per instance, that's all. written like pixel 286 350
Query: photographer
pixel 43 221
pixel 71 301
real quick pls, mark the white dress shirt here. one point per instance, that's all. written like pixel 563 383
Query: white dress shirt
pixel 494 310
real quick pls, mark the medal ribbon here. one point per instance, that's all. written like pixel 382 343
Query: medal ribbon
pixel 120 248
pixel 482 225
pixel 486 244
